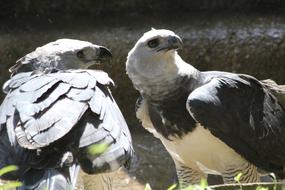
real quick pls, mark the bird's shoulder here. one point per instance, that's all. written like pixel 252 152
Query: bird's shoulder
pixel 227 93
pixel 219 83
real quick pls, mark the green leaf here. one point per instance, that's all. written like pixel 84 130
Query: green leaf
pixel 261 188
pixel 191 187
pixel 147 187
pixel 237 178
pixel 10 185
pixel 98 148
pixel 172 187
pixel 8 169
pixel 203 183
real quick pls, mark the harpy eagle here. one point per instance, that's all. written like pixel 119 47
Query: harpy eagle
pixel 210 122
pixel 55 111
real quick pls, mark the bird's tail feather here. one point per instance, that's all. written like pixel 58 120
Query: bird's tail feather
pixel 73 174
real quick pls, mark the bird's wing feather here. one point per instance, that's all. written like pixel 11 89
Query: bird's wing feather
pixel 17 81
pixel 69 114
pixel 41 108
pixel 109 128
pixel 244 114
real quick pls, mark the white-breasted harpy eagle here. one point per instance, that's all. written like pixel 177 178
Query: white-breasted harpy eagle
pixel 55 111
pixel 210 122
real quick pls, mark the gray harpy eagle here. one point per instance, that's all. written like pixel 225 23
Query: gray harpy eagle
pixel 210 122
pixel 55 111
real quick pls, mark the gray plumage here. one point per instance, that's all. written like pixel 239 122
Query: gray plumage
pixel 60 55
pixel 51 117
pixel 210 122
pixel 276 90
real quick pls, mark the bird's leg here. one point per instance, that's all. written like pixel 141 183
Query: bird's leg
pixel 187 176
pixel 244 173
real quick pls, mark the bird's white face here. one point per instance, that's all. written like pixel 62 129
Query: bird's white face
pixel 66 54
pixel 152 53
pixel 80 53
pixel 156 43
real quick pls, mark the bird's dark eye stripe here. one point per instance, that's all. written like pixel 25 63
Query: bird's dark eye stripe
pixel 153 43
pixel 80 54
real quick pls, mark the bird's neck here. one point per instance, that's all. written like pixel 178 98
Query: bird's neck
pixel 163 79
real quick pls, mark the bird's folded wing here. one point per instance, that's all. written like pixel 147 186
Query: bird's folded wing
pixel 41 108
pixel 109 129
pixel 244 114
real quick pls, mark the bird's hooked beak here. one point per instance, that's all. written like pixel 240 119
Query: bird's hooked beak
pixel 172 43
pixel 104 54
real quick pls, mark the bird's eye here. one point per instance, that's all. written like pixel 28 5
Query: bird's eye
pixel 80 54
pixel 153 43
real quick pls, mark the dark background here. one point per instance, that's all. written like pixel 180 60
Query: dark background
pixel 68 8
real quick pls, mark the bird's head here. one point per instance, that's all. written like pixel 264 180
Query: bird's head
pixel 63 54
pixel 154 52
pixel 155 43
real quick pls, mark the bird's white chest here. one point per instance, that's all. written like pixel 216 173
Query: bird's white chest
pixel 202 151
pixel 198 149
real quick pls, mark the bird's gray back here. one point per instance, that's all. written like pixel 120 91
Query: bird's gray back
pixel 39 109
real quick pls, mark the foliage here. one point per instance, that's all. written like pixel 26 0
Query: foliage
pixel 8 169
pixel 204 185
pixel 261 188
pixel 10 184
pixel 147 187
pixel 237 179
pixel 172 187
pixel 98 148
